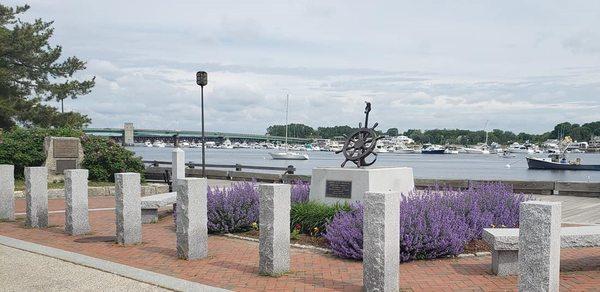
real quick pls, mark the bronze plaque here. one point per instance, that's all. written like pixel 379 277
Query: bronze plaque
pixel 64 164
pixel 338 189
pixel 67 148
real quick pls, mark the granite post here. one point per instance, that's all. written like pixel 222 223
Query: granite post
pixel 7 192
pixel 36 195
pixel 177 165
pixel 128 208
pixel 381 241
pixel 539 246
pixel 192 218
pixel 274 226
pixel 76 201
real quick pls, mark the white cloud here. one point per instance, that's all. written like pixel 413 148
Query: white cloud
pixel 524 66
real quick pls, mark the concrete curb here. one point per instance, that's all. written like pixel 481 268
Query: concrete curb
pixel 152 278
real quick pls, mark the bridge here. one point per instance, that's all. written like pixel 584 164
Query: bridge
pixel 129 135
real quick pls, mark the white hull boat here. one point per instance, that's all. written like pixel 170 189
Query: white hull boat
pixel 288 156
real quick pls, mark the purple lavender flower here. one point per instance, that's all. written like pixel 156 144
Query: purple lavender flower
pixel 434 223
pixel 234 208
pixel 300 191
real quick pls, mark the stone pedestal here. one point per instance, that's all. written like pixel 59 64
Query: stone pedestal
pixel 331 185
pixel 128 134
pixel 7 192
pixel 177 165
pixel 505 262
pixel 36 196
pixel 192 218
pixel 274 226
pixel 62 153
pixel 539 246
pixel 381 241
pixel 128 208
pixel 76 201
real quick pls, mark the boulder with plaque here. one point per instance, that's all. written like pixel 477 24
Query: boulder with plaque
pixel 62 153
pixel 339 184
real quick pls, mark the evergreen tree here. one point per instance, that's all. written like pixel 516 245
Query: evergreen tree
pixel 31 72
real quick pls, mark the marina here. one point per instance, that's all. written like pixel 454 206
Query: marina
pixel 458 166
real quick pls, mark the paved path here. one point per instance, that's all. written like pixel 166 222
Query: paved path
pixel 233 264
pixel 25 271
pixel 577 209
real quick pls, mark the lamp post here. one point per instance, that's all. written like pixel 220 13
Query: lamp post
pixel 202 80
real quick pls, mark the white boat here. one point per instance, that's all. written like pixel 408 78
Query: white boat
pixel 159 144
pixel 473 150
pixel 451 150
pixel 518 148
pixel 380 149
pixel 147 144
pixel 184 144
pixel 226 144
pixel 288 155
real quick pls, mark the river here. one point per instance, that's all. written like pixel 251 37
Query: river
pixel 447 166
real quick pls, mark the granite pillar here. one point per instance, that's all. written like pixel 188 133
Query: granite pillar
pixel 7 192
pixel 274 226
pixel 539 246
pixel 128 208
pixel 192 218
pixel 76 201
pixel 36 196
pixel 177 165
pixel 381 241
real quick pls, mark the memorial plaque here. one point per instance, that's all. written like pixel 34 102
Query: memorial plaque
pixel 338 189
pixel 64 164
pixel 65 148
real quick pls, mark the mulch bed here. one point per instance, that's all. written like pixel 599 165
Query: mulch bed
pixel 302 239
pixel 474 246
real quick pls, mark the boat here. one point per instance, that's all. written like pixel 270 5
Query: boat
pixel 475 150
pixel 518 148
pixel 559 162
pixel 288 155
pixel 433 149
pixel 148 144
pixel 402 149
pixel 451 150
pixel 159 144
pixel 506 154
pixel 380 149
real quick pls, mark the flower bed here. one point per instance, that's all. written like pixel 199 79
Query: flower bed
pixel 435 223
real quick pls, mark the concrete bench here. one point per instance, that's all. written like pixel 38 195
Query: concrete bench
pixel 504 243
pixel 151 204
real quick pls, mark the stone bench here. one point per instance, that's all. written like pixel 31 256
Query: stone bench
pixel 151 204
pixel 504 243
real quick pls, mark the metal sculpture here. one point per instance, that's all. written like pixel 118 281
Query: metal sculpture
pixel 361 143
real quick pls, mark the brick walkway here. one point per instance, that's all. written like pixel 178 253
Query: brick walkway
pixel 233 264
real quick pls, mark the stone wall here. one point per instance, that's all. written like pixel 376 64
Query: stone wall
pixel 147 190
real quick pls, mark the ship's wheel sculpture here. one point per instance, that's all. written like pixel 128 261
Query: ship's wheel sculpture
pixel 361 143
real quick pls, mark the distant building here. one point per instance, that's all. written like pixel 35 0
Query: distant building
pixel 594 142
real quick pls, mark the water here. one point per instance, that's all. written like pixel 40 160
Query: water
pixel 460 166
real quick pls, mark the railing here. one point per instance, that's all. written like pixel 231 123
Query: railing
pixel 290 169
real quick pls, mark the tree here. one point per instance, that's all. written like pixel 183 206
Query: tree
pixel 294 130
pixel 392 132
pixel 30 72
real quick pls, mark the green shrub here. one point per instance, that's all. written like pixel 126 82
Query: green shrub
pixel 23 147
pixel 311 214
pixel 104 158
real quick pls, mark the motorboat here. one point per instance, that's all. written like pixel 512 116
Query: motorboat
pixel 473 150
pixel 451 150
pixel 148 144
pixel 159 144
pixel 433 149
pixel 518 148
pixel 559 162
pixel 288 155
pixel 402 149
pixel 380 149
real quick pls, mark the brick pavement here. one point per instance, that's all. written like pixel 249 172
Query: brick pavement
pixel 233 264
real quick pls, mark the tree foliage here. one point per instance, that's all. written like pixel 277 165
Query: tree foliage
pixel 31 72
pixel 294 130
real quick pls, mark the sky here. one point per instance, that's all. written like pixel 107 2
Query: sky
pixel 515 65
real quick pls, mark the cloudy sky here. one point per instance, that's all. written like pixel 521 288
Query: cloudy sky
pixel 521 65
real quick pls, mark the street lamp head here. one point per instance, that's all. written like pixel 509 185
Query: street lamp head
pixel 201 78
